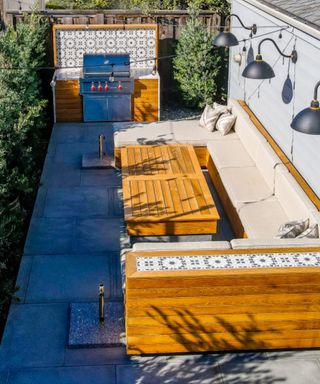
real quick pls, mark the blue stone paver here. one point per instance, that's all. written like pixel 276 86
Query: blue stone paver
pixel 73 244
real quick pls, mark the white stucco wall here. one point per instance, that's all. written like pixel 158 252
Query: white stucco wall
pixel 265 97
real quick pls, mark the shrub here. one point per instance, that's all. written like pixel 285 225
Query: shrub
pixel 22 129
pixel 196 65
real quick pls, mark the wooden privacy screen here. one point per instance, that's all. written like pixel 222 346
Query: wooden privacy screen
pixel 222 309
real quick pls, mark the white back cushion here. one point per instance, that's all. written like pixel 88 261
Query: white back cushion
pixel 266 160
pixel 250 137
pixel 293 199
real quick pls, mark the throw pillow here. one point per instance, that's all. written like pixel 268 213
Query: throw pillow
pixel 203 117
pixel 225 108
pixel 210 116
pixel 225 123
pixel 292 229
pixel 311 233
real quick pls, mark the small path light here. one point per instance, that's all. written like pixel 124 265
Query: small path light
pixel 101 303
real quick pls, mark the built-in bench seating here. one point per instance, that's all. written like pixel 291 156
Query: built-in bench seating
pixel 257 191
pixel 206 300
pixel 239 304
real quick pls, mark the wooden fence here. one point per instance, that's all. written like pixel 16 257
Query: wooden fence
pixel 170 22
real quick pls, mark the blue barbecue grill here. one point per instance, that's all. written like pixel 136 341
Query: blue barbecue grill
pixel 106 87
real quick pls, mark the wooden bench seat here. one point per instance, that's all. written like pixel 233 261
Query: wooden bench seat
pixel 194 301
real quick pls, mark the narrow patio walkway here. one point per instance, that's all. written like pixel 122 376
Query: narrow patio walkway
pixel 73 244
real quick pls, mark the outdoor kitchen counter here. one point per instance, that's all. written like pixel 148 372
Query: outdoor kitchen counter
pixel 68 102
pixel 75 74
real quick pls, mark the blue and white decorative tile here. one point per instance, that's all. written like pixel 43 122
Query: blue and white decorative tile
pixel 228 261
pixel 139 43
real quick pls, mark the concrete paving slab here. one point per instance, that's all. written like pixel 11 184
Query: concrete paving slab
pixel 35 336
pixel 69 278
pixel 23 279
pixel 98 235
pixel 116 281
pixel 96 356
pixel 76 202
pixel 115 202
pixel 68 133
pixel 166 373
pixel 71 153
pixel 62 175
pixel 272 372
pixel 294 354
pixel 4 377
pixel 99 177
pixel 93 130
pixel 68 375
pixel 50 236
pixel 40 203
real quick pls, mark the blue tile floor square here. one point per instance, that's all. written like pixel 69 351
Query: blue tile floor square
pixel 68 375
pixel 50 236
pixel 35 336
pixel 69 278
pixel 76 202
pixel 98 235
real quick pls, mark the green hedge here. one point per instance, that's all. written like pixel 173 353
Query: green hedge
pixel 22 145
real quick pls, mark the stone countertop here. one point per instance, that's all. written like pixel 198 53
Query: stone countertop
pixel 75 74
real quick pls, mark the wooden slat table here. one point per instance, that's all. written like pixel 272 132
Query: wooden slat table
pixel 165 192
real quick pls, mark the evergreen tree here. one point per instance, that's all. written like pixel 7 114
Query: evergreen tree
pixel 197 65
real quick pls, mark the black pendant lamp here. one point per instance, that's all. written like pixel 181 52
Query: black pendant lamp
pixel 308 120
pixel 259 69
pixel 228 39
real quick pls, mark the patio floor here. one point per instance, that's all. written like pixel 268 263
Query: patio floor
pixel 73 244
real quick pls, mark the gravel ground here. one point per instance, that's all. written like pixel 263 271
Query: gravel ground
pixel 179 112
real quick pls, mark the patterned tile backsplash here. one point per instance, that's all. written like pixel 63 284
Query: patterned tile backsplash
pixel 71 44
pixel 230 261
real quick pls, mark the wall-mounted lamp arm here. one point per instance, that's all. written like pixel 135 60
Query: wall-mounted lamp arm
pixel 315 94
pixel 252 28
pixel 293 56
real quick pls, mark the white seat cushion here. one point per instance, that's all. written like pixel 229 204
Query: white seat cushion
pixel 276 243
pixel 261 220
pixel 186 245
pixel 229 153
pixel 244 185
pixel 143 133
pixel 293 199
pixel 189 132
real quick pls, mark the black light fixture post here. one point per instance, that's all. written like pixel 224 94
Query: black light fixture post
pixel 259 69
pixel 228 39
pixel 308 120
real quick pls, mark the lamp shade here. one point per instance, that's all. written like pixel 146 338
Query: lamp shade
pixel 225 39
pixel 307 121
pixel 258 69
